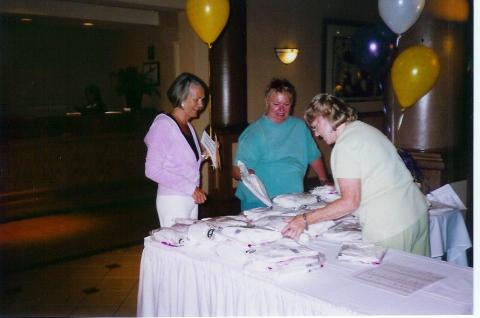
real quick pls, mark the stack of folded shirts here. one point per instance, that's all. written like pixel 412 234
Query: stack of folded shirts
pixel 360 252
pixel 283 256
pixel 326 193
pixel 295 200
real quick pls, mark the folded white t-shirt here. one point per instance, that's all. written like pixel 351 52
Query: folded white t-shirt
pixel 361 252
pixel 295 200
pixel 326 193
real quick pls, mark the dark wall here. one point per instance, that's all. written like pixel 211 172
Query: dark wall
pixel 55 164
pixel 45 68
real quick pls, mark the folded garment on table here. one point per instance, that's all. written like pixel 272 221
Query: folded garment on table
pixel 272 222
pixel 326 193
pixel 281 250
pixel 233 251
pixel 342 236
pixel 314 206
pixel 170 236
pixel 294 265
pixel 295 200
pixel 361 252
pixel 277 223
pixel 318 228
pixel 258 213
pixel 283 256
pixel 229 220
pixel 250 235
pixel 346 229
pixel 204 234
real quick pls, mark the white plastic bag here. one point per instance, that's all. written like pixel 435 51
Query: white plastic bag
pixel 254 184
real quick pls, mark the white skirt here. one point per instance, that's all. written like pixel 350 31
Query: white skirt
pixel 171 207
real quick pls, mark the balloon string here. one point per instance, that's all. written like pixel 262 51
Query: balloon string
pixel 398 39
pixel 400 119
pixel 210 59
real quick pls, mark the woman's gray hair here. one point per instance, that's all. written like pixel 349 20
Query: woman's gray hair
pixel 335 110
pixel 180 89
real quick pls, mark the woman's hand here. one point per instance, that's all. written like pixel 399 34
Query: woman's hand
pixel 237 175
pixel 199 196
pixel 295 227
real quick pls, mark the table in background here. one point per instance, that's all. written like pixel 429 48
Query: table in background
pixel 178 281
pixel 449 236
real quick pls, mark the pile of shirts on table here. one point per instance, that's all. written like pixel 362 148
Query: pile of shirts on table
pixel 254 240
pixel 238 241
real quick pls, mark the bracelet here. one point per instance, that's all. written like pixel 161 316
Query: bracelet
pixel 305 220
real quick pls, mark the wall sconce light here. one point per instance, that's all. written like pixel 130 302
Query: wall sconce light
pixel 286 56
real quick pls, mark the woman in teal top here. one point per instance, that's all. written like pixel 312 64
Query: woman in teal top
pixel 277 147
pixel 372 180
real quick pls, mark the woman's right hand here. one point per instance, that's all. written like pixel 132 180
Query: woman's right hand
pixel 199 196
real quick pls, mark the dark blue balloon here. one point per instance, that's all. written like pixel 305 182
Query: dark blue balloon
pixel 373 49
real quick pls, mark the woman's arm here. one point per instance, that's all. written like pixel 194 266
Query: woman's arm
pixel 346 204
pixel 319 168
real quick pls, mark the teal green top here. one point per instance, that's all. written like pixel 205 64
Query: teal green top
pixel 279 154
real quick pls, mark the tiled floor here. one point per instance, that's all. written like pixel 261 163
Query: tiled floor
pixel 101 285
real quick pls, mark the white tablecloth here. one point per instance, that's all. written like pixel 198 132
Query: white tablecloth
pixel 449 236
pixel 179 281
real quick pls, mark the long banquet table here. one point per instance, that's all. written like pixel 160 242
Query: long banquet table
pixel 181 281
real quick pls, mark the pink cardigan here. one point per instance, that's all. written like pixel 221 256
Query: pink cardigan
pixel 170 160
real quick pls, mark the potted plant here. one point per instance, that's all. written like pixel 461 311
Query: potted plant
pixel 133 84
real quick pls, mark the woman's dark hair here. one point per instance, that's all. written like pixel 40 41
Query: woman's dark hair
pixel 335 110
pixel 180 87
pixel 281 85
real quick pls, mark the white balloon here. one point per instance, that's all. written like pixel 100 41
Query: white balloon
pixel 400 15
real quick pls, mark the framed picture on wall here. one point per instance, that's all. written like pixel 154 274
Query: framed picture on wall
pixel 152 72
pixel 341 76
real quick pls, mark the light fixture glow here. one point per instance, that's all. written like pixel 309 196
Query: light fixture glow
pixel 26 20
pixel 286 56
pixel 88 24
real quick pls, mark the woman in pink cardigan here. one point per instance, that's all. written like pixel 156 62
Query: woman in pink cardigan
pixel 174 154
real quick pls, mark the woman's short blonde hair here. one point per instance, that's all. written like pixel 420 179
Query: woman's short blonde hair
pixel 335 110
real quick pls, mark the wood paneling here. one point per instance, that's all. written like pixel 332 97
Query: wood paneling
pixel 53 164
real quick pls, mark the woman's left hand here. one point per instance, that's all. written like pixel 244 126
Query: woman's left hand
pixel 294 228
pixel 199 196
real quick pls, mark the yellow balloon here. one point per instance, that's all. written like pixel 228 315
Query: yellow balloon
pixel 414 72
pixel 208 18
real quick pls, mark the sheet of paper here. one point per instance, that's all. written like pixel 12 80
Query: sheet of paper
pixel 397 278
pixel 445 196
pixel 211 148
